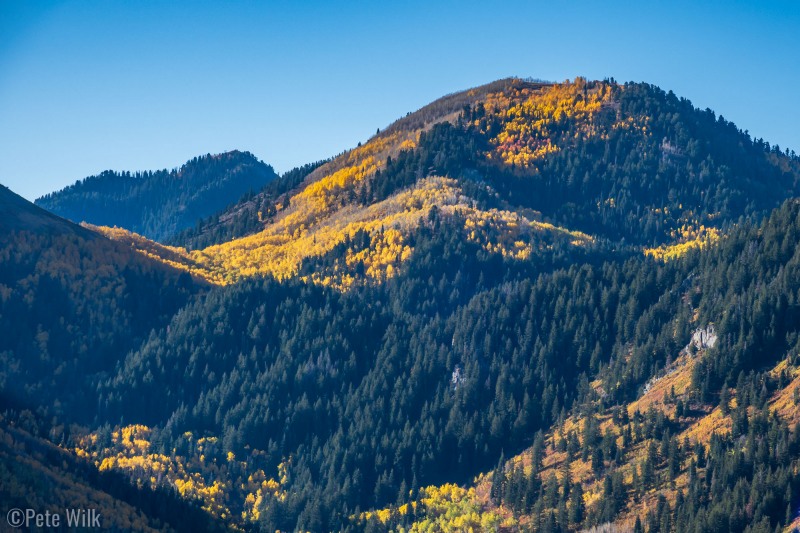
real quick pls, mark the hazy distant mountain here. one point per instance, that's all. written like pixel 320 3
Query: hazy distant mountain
pixel 162 203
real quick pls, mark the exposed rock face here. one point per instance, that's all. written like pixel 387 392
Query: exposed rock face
pixel 704 338
pixel 457 378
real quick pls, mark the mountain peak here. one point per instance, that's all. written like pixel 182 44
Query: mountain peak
pixel 448 105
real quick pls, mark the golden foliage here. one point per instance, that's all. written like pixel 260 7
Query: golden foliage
pixel 40 463
pixel 512 234
pixel 702 429
pixel 677 378
pixel 311 227
pixel 689 237
pixel 171 255
pixel 205 473
pixel 446 508
pixel 657 396
pixel 324 212
pixel 786 401
pixel 279 250
pixel 530 115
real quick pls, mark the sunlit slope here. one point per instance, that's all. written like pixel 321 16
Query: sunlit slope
pixel 37 474
pixel 236 493
pixel 628 164
pixel 281 248
pixel 251 214
pixel 327 211
pixel 171 255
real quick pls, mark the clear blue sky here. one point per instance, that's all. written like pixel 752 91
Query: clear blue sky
pixel 93 85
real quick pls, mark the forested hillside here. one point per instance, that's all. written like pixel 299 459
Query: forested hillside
pixel 163 203
pixel 709 442
pixel 527 306
pixel 72 303
pixel 246 216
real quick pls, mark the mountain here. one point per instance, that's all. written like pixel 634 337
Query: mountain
pixel 245 216
pixel 598 157
pixel 161 204
pixel 17 214
pixel 71 303
pixel 623 166
pixel 527 306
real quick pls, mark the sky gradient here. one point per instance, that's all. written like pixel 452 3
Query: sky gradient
pixel 88 86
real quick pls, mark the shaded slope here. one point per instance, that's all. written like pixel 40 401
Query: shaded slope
pixel 71 304
pixel 17 214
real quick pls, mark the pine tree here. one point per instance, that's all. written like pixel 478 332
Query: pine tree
pixel 725 400
pixel 576 506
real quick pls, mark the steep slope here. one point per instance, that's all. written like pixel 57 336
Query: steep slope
pixel 72 303
pixel 17 214
pixel 161 204
pixel 247 216
pixel 710 441
pixel 340 382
